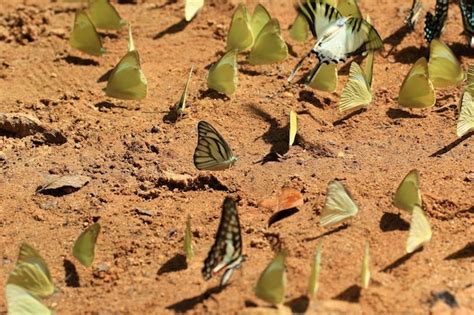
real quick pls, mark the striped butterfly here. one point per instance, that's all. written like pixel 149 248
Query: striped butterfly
pixel 212 152
pixel 467 11
pixel 434 24
pixel 226 253
pixel 338 37
pixel 414 14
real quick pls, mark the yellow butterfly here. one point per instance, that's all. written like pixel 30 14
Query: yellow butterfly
pixel 293 128
pixel 299 30
pixel 349 8
pixel 339 205
pixel 466 115
pixel 365 273
pixel 240 33
pixel 21 302
pixel 325 78
pixel 84 247
pixel 223 74
pixel 104 15
pixel 84 35
pixel 259 19
pixel 191 8
pixel 356 93
pixel 271 284
pixel 127 80
pixel 408 193
pixel 181 105
pixel 420 230
pixel 417 91
pixel 315 270
pixel 31 273
pixel 269 46
pixel 443 67
pixel 368 67
pixel 188 241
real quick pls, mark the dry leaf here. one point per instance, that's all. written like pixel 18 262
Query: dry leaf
pixel 288 198
pixel 20 125
pixel 62 185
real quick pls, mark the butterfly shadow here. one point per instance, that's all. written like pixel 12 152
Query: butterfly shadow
pixel 396 113
pixel 105 77
pixel 108 105
pixel 275 135
pixel 400 261
pixel 71 275
pixel 345 69
pixel 446 297
pixel 460 49
pixel 351 294
pixel 452 145
pixel 172 29
pixel 298 305
pixel 108 35
pixel 393 222
pixel 327 233
pixel 212 94
pixel 189 303
pixel 309 97
pixel 170 117
pixel 78 61
pixel 409 55
pixel 349 116
pixel 174 264
pixel 396 38
pixel 280 215
pixel 465 252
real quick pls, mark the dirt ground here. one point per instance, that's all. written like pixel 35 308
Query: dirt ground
pixel 128 150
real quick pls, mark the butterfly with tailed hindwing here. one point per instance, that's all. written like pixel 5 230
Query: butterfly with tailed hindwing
pixel 226 253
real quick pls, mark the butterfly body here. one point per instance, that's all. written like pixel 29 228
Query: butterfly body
pixel 226 252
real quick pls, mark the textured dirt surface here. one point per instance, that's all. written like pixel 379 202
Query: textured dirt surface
pixel 127 148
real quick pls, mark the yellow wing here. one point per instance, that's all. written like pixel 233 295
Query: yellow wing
pixel 21 302
pixel 339 205
pixel 325 78
pixel 356 93
pixel 365 272
pixel 417 91
pixel 104 15
pixel 299 30
pixel 271 284
pixel 466 115
pixel 408 193
pixel 223 74
pixel 191 8
pixel 315 270
pixel 84 246
pixel 269 45
pixel 240 32
pixel 349 8
pixel 293 127
pixel 84 35
pixel 259 18
pixel 420 230
pixel 444 68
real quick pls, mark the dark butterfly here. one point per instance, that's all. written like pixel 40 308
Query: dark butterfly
pixel 414 14
pixel 226 253
pixel 467 11
pixel 434 24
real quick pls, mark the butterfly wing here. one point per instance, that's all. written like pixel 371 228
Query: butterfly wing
pixel 271 284
pixel 191 8
pixel 259 19
pixel 408 193
pixel 467 11
pixel 417 91
pixel 104 15
pixel 444 68
pixel 349 8
pixel 240 32
pixel 21 302
pixel 315 270
pixel 293 128
pixel 319 15
pixel 181 105
pixel 84 36
pixel 365 273
pixel 226 252
pixel 31 273
pixel 434 24
pixel 84 247
pixel 339 205
pixel 466 115
pixel 420 230
pixel 356 93
pixel 325 78
pixel 223 74
pixel 212 151
pixel 269 46
pixel 414 14
pixel 299 30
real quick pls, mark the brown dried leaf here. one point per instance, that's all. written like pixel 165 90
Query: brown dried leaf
pixel 62 185
pixel 20 125
pixel 288 198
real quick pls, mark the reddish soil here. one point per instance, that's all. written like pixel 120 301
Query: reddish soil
pixel 126 148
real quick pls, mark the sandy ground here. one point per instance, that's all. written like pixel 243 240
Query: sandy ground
pixel 126 148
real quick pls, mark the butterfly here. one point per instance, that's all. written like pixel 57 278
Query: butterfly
pixel 269 46
pixel 212 152
pixel 181 104
pixel 127 80
pixel 191 8
pixel 226 253
pixel 222 76
pixel 466 115
pixel 299 30
pixel 339 205
pixel 315 270
pixel 84 36
pixel 240 36
pixel 417 90
pixel 31 273
pixel 324 78
pixel 467 12
pixel 420 230
pixel 293 128
pixel 434 24
pixel 104 15
pixel 414 14
pixel 408 193
pixel 444 68
pixel 271 284
pixel 21 302
pixel 338 37
pixel 84 246
pixel 188 240
pixel 356 93
pixel 365 272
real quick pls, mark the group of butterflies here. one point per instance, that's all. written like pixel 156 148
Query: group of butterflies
pixel 226 253
pixel 31 280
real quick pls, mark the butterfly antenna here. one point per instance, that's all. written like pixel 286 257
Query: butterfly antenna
pixel 298 66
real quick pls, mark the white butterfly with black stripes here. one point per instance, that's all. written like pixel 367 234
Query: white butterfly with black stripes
pixel 212 151
pixel 226 253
